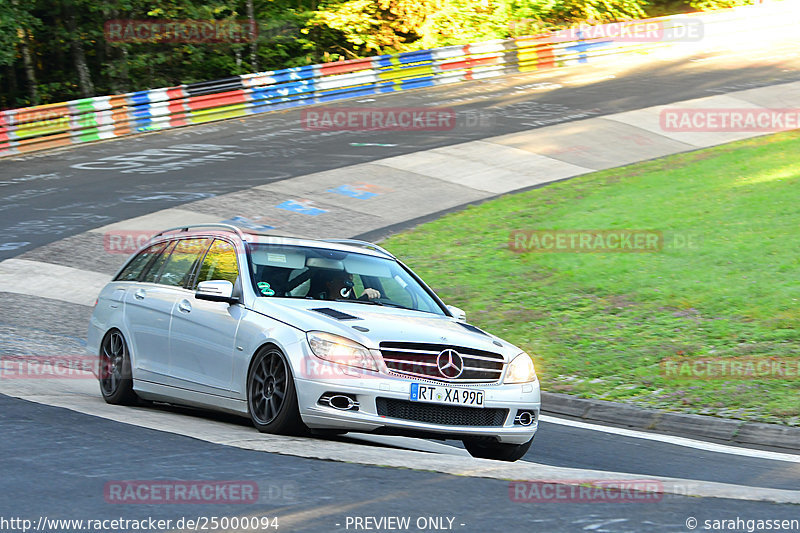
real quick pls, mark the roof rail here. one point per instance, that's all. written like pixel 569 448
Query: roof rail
pixel 362 244
pixel 194 226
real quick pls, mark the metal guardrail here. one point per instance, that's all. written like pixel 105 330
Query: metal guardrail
pixel 105 117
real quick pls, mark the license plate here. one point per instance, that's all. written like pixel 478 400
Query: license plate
pixel 446 395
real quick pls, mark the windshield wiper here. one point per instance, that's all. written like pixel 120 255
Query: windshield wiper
pixel 398 306
pixel 357 301
pixel 373 302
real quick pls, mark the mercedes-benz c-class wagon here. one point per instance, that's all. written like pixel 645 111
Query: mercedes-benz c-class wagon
pixel 307 336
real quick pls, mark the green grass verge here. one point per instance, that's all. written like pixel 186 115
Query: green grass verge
pixel 601 325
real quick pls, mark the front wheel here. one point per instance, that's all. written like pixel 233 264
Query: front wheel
pixel 497 450
pixel 271 396
pixel 114 372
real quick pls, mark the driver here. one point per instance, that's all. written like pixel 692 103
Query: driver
pixel 339 285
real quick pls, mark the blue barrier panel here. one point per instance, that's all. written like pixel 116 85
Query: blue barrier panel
pixel 382 61
pixel 416 83
pixel 140 97
pixel 582 47
pixel 140 113
pixel 292 74
pixel 423 56
pixel 339 94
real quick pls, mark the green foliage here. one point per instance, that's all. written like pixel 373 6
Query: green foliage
pixel 596 11
pixel 387 26
pixel 602 324
pixel 15 18
pixel 291 33
pixel 711 5
pixel 9 36
pixel 378 26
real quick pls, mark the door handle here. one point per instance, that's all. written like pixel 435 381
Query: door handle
pixel 139 294
pixel 184 306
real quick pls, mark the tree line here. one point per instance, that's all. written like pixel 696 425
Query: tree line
pixel 58 50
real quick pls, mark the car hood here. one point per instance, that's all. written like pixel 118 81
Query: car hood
pixel 381 323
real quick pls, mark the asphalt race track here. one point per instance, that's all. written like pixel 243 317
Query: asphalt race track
pixel 50 196
pixel 82 452
pixel 57 461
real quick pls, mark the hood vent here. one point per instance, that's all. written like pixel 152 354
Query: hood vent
pixel 472 328
pixel 333 313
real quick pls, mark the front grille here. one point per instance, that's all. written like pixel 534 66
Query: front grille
pixel 447 415
pixel 419 360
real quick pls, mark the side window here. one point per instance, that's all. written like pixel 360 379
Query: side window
pixel 151 273
pixel 184 256
pixel 134 269
pixel 219 264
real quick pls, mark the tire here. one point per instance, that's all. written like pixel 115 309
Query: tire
pixel 271 394
pixel 114 370
pixel 497 450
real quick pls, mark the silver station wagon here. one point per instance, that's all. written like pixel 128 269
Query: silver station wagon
pixel 307 336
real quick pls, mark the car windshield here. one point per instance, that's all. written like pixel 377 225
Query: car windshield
pixel 282 271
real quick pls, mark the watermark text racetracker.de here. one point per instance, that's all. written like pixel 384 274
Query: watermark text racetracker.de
pixel 204 492
pixel 642 31
pixel 57 366
pixel 180 31
pixel 600 241
pixel 731 368
pixel 180 492
pixel 379 119
pixel 729 120
pixel 586 491
pixel 633 31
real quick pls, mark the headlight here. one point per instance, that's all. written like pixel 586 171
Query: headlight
pixel 521 370
pixel 340 350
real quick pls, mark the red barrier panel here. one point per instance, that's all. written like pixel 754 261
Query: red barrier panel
pixel 177 106
pixel 343 67
pixel 197 103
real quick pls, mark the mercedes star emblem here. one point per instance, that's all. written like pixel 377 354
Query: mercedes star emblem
pixel 450 363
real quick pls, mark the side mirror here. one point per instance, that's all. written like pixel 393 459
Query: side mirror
pixel 458 314
pixel 216 291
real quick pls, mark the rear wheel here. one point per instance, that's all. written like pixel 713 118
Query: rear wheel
pixel 497 450
pixel 114 372
pixel 271 396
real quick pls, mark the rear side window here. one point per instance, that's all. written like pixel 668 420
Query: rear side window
pixel 137 265
pixel 151 273
pixel 219 264
pixel 182 261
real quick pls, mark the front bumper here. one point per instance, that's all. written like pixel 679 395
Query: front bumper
pixel 367 389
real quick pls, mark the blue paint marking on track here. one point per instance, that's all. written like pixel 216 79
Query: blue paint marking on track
pixel 301 206
pixel 353 192
pixel 246 223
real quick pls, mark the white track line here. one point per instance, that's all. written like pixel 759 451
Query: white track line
pixel 678 441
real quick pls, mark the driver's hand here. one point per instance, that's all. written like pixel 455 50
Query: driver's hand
pixel 372 293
